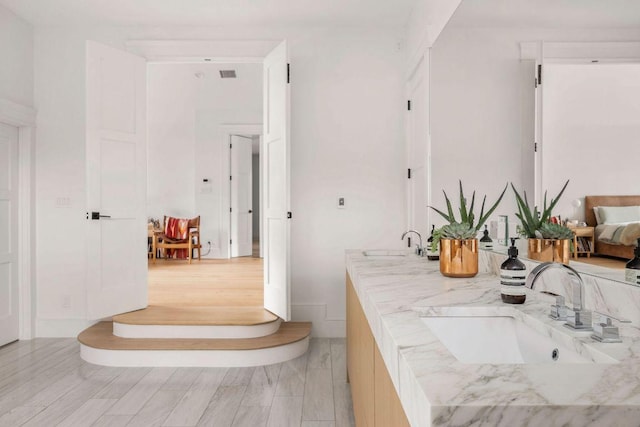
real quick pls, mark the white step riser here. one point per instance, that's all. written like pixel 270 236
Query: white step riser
pixel 125 330
pixel 194 358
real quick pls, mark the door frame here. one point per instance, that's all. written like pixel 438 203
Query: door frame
pixel 24 118
pixel 230 129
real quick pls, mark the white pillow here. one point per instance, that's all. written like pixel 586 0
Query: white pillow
pixel 619 214
pixel 596 212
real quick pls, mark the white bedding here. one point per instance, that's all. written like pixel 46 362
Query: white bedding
pixel 625 234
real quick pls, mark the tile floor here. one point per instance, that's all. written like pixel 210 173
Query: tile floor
pixel 44 382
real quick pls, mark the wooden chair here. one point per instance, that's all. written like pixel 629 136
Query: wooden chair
pixel 191 243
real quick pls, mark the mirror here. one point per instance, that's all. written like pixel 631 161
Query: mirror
pixel 583 108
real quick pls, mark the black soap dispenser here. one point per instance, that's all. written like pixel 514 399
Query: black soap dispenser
pixel 632 269
pixel 486 242
pixel 513 274
pixel 432 255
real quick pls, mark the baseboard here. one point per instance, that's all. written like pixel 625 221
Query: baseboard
pixel 61 328
pixel 317 315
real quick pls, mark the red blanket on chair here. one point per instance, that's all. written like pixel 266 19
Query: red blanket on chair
pixel 177 230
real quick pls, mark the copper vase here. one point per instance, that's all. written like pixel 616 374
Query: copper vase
pixel 459 258
pixel 549 250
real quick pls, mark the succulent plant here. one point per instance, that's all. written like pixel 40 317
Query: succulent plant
pixel 467 216
pixel 550 230
pixel 466 228
pixel 531 219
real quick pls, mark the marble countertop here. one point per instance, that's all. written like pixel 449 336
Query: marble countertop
pixel 436 389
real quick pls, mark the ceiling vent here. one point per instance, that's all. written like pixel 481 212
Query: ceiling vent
pixel 228 74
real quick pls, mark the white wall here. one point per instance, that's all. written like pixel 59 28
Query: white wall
pixel 591 131
pixel 187 143
pixel 347 113
pixel 476 107
pixel 16 51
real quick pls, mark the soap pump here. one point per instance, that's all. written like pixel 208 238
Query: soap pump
pixel 513 274
pixel 632 269
pixel 485 241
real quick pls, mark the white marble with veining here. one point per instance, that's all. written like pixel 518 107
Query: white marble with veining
pixel 437 389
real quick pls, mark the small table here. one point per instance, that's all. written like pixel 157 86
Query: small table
pixel 587 240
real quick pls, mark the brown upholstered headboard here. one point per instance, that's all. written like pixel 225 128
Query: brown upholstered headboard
pixel 591 201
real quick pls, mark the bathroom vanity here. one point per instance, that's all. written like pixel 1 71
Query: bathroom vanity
pixel 426 350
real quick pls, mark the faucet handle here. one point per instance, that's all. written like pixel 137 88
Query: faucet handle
pixel 559 309
pixel 579 320
pixel 604 331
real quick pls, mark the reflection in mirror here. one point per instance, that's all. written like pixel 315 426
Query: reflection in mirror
pixel 580 109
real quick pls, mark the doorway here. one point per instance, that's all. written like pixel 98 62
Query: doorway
pixel 200 165
pixel 244 211
pixel 194 172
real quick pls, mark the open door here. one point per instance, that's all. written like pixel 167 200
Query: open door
pixel 116 181
pixel 241 197
pixel 275 162
pixel 8 234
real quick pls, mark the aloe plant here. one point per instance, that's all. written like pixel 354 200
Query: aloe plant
pixel 467 216
pixel 550 230
pixel 531 220
pixel 466 227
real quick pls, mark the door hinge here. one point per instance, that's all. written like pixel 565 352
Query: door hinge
pixel 230 146
pixel 230 178
pixel 289 215
pixel 408 173
pixel 408 105
pixel 230 241
pixel 539 74
pixel 230 209
pixel 409 242
pixel 535 147
pixel 288 73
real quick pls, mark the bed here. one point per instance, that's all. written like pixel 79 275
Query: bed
pixel 602 248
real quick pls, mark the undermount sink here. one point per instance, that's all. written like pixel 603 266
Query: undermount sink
pixel 384 253
pixel 505 340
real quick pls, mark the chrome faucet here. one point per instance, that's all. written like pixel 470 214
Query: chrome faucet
pixel 419 249
pixel 578 318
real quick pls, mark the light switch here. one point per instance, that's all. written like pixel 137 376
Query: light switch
pixel 63 202
pixel 341 204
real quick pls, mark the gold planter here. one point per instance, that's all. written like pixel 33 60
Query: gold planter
pixel 459 258
pixel 549 250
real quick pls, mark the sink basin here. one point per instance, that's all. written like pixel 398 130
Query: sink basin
pixel 384 253
pixel 505 340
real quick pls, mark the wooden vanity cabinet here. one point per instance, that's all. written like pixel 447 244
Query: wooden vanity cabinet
pixel 375 401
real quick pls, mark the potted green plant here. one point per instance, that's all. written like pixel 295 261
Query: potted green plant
pixel 457 239
pixel 547 241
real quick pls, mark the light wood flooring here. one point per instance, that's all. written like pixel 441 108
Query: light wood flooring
pixel 603 261
pixel 228 283
pixel 206 292
pixel 44 382
pixel 100 336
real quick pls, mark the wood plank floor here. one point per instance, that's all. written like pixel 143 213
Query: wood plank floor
pixel 192 315
pixel 602 261
pixel 44 382
pixel 101 336
pixel 232 283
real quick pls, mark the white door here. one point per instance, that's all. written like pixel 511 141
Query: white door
pixel 241 197
pixel 8 234
pixel 275 161
pixel 116 181
pixel 418 150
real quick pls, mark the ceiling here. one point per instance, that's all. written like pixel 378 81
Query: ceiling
pixel 547 14
pixel 294 13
